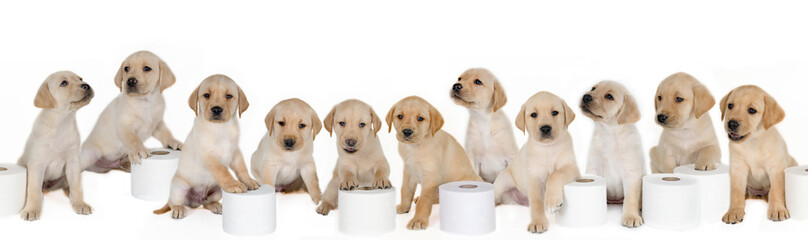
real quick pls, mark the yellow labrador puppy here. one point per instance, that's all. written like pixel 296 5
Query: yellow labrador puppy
pixel 615 152
pixel 361 161
pixel 211 148
pixel 431 156
pixel 546 162
pixel 284 156
pixel 54 141
pixel 490 143
pixel 688 135
pixel 757 153
pixel 136 114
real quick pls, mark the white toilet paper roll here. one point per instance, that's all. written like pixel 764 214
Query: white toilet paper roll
pixel 151 179
pixel 367 211
pixel 12 188
pixel 249 214
pixel 670 201
pixel 797 192
pixel 584 203
pixel 713 190
pixel 467 207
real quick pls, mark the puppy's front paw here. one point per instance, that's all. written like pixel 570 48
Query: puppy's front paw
pixel 324 209
pixel 214 207
pixel 402 209
pixel 348 184
pixel 173 144
pixel 705 165
pixel 251 184
pixel 554 201
pixel 538 227
pixel 178 212
pixel 417 224
pixel 82 208
pixel 31 214
pixel 778 213
pixel 234 187
pixel 632 220
pixel 382 184
pixel 733 216
pixel 140 152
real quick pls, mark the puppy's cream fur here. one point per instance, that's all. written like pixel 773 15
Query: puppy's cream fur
pixel 758 154
pixel 615 152
pixel 361 161
pixel 490 142
pixel 53 144
pixel 284 156
pixel 688 136
pixel 211 148
pixel 546 162
pixel 431 156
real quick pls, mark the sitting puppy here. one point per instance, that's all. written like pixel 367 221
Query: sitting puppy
pixel 211 147
pixel 688 136
pixel 361 161
pixel 53 144
pixel 546 162
pixel 490 143
pixel 431 156
pixel 284 156
pixel 616 149
pixel 757 153
pixel 135 115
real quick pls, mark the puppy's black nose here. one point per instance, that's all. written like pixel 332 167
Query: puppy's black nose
pixel 216 110
pixel 350 142
pixel 289 142
pixel 131 82
pixel 545 129
pixel 732 124
pixel 85 86
pixel 661 118
pixel 587 98
pixel 457 87
pixel 407 132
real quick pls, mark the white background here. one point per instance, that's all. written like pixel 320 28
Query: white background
pixel 327 51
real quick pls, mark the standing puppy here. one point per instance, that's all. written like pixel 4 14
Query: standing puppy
pixel 135 115
pixel 757 153
pixel 546 162
pixel 490 143
pixel 54 141
pixel 431 156
pixel 211 148
pixel 615 152
pixel 688 136
pixel 361 161
pixel 284 156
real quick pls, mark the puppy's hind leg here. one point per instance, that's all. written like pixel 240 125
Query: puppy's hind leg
pixel 212 202
pixel 656 165
pixel 503 184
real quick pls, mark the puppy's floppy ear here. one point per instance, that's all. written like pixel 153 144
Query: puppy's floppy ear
pixel 43 98
pixel 376 120
pixel 520 119
pixel 702 99
pixel 119 77
pixel 568 114
pixel 193 101
pixel 435 120
pixel 316 125
pixel 242 102
pixel 328 122
pixel 499 98
pixel 630 112
pixel 723 104
pixel 166 76
pixel 389 118
pixel 269 120
pixel 773 113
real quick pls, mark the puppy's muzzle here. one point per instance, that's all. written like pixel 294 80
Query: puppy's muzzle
pixel 457 87
pixel 661 118
pixel 350 145
pixel 131 82
pixel 545 131
pixel 85 86
pixel 289 144
pixel 407 132
pixel 217 111
pixel 586 99
pixel 732 126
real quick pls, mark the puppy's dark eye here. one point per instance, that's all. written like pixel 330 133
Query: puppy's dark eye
pixel 229 96
pixel 302 125
pixel 593 89
pixel 420 119
pixel 400 116
pixel 282 123
pixel 730 105
pixel 64 83
pixel 534 115
pixel 610 97
pixel 555 113
pixel 458 79
pixel 206 95
pixel 342 124
pixel 81 79
pixel 679 99
pixel 752 111
pixel 478 82
pixel 659 98
pixel 146 69
pixel 361 125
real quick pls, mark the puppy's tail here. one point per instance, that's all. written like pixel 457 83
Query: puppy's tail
pixel 162 210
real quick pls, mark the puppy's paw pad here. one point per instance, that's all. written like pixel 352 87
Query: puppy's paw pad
pixel 323 209
pixel 537 227
pixel 82 208
pixel 234 187
pixel 417 224
pixel 252 184
pixel 348 185
pixel 778 213
pixel 733 216
pixel 402 209
pixel 30 214
pixel 382 184
pixel 632 221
